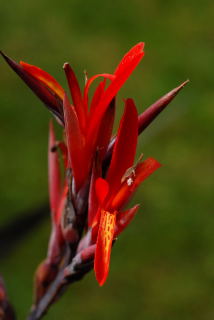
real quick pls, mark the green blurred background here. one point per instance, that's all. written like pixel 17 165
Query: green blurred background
pixel 162 267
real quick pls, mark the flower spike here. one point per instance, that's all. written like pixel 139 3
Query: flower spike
pixel 92 175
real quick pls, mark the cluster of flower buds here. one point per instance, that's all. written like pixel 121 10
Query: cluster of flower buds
pixel 92 174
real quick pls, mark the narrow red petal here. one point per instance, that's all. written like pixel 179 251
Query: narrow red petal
pixel 53 173
pixel 124 219
pixel 93 202
pixel 104 245
pixel 75 94
pixel 106 129
pixel 97 97
pixel 75 143
pixel 145 169
pixel 47 96
pixel 129 57
pixel 125 146
pixel 123 71
pixel 142 171
pixel 44 77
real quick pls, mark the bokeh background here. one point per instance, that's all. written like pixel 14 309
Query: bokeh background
pixel 163 265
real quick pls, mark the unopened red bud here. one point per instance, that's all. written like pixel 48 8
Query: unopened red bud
pixel 153 111
pixel 44 93
pixel 45 274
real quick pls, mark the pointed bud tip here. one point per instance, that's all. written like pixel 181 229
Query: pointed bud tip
pixel 184 84
pixel 66 65
pixel 4 55
pixel 181 86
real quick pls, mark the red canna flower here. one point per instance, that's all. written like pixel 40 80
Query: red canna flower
pixel 92 174
pixel 114 192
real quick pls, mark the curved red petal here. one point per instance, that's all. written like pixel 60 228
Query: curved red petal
pixel 91 80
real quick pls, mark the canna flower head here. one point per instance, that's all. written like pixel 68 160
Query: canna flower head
pixel 100 175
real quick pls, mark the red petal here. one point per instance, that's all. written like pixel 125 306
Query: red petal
pixel 124 218
pixel 48 97
pixel 106 129
pixel 53 173
pixel 75 143
pixel 130 58
pixel 123 71
pixel 75 94
pixel 102 189
pixel 104 245
pixel 97 97
pixel 142 171
pixel 125 146
pixel 93 203
pixel 44 77
pixel 145 169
